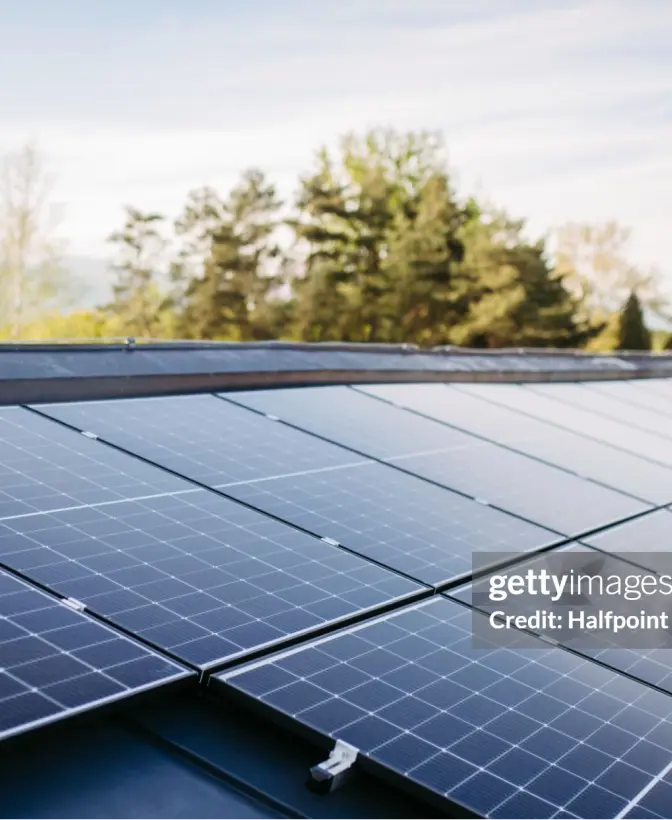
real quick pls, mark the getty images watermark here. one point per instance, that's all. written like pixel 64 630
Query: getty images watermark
pixel 579 597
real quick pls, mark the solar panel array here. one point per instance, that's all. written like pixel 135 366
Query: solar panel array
pixel 533 490
pixel 202 437
pixel 578 454
pixel 525 731
pixel 196 574
pixel 204 532
pixel 328 490
pixel 55 661
pixel 44 466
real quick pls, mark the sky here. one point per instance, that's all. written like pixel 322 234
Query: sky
pixel 554 109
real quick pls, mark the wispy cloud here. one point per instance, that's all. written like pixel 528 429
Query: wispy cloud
pixel 558 110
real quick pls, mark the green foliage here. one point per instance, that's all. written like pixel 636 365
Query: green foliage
pixel 78 325
pixel 383 251
pixel 137 302
pixel 223 278
pixel 379 223
pixel 607 339
pixel 632 331
pixel 514 297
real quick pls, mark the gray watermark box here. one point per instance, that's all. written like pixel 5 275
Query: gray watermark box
pixel 576 596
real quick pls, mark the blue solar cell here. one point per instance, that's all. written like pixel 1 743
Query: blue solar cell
pixel 44 466
pixel 203 437
pixel 476 734
pixel 56 661
pixel 398 520
pixel 539 492
pixel 575 453
pixel 197 574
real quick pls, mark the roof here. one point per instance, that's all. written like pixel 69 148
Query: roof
pixel 221 564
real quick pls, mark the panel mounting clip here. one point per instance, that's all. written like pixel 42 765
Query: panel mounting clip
pixel 335 770
pixel 73 603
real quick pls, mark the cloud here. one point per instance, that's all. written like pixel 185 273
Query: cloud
pixel 556 110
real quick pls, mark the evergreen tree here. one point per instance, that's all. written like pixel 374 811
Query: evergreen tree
pixel 379 223
pixel 515 298
pixel 632 331
pixel 222 278
pixel 137 301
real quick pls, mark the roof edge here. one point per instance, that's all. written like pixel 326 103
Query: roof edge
pixel 37 372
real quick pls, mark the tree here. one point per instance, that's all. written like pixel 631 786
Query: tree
pixel 593 260
pixel 224 277
pixel 378 222
pixel 138 302
pixel 632 331
pixel 515 297
pixel 31 275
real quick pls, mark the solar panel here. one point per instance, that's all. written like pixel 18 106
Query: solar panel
pixel 406 524
pixel 581 396
pixel 631 393
pixel 645 536
pixel 197 574
pixel 580 455
pixel 659 387
pixel 524 731
pixel 56 662
pixel 648 655
pixel 355 420
pixel 574 419
pixel 44 466
pixel 539 492
pixel 202 437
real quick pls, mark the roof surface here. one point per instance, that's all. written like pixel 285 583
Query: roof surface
pixel 218 561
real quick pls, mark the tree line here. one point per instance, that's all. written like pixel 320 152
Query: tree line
pixel 375 246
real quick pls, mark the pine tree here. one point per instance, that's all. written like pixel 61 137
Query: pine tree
pixel 222 279
pixel 380 224
pixel 632 331
pixel 515 298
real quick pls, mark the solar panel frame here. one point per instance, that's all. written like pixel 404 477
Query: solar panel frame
pixel 576 454
pixel 520 743
pixel 57 662
pixel 45 466
pixel 534 490
pixel 198 575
